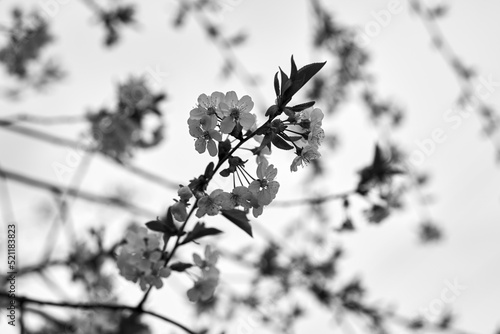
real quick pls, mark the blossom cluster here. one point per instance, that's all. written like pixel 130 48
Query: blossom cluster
pixel 205 284
pixel 216 115
pixel 141 259
pixel 261 191
pixel 310 120
pixel 222 124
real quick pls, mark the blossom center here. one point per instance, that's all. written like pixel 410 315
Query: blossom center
pixel 211 111
pixel 235 114
pixel 206 135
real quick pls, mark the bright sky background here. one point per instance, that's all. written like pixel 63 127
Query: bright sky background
pixel 395 268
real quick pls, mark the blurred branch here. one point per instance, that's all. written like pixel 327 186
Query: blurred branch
pixel 46 316
pixel 8 209
pixel 103 200
pixel 64 207
pixel 225 48
pixel 87 306
pixel 314 200
pixel 409 323
pixel 43 120
pixel 46 137
pixel 463 73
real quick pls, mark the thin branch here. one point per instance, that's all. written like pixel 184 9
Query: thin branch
pixel 312 201
pixel 64 207
pixel 43 120
pixel 463 74
pixel 87 306
pixel 8 208
pixel 225 49
pixel 90 197
pixel 406 322
pixel 46 316
pixel 49 138
pixel 171 254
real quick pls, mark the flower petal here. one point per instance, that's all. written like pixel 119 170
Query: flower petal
pixel 245 104
pixel 212 148
pixel 247 120
pixel 200 145
pixel 227 125
pixel 197 113
pixel 216 135
pixel 257 211
pixel 204 101
pixel 193 294
pixel 231 99
pixel 217 98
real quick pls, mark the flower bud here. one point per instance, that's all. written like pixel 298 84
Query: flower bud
pixel 184 193
pixel 179 211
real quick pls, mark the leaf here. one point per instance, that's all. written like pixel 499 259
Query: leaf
pixel 180 266
pixel 157 226
pixel 237 131
pixel 169 221
pixel 281 143
pixel 267 140
pixel 209 169
pixel 239 218
pixel 285 82
pixel 224 148
pixel 302 106
pixel 200 231
pixel 295 138
pixel 293 70
pixel 164 225
pixel 276 84
pixel 302 77
pixel 263 129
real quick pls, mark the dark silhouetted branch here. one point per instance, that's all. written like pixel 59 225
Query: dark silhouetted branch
pixel 88 306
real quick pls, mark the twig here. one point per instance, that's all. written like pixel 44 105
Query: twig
pixel 64 207
pixel 312 201
pixel 46 137
pixel 463 74
pixel 43 120
pixel 226 51
pixel 103 200
pixel 8 209
pixel 86 306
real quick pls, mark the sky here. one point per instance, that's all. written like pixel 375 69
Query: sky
pixel 396 269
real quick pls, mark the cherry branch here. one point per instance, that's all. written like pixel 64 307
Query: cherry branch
pixel 87 306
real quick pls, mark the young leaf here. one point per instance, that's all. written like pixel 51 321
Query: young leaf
pixel 224 148
pixel 295 138
pixel 180 266
pixel 285 82
pixel 276 84
pixel 302 106
pixel 302 77
pixel 209 169
pixel 293 71
pixel 169 221
pixel 281 143
pixel 157 226
pixel 200 231
pixel 239 218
